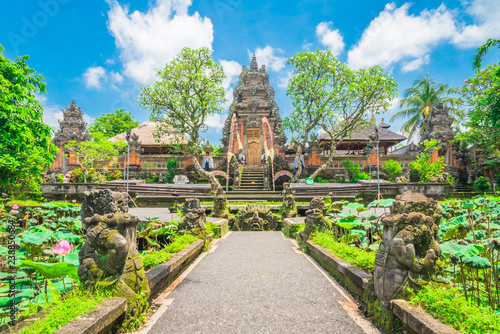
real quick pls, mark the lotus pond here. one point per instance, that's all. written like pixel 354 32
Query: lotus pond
pixel 47 240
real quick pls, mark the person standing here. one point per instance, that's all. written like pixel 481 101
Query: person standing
pixel 208 162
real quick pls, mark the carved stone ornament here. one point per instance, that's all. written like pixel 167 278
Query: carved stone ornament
pixel 289 208
pixel 315 220
pixel 253 121
pixel 193 216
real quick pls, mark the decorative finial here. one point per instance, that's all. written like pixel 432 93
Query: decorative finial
pixel 253 63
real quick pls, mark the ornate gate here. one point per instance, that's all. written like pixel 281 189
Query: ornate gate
pixel 253 147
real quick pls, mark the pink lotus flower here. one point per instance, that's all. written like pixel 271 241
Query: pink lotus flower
pixel 62 248
pixel 15 207
pixel 470 85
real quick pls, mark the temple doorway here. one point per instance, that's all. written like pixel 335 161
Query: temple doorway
pixel 253 147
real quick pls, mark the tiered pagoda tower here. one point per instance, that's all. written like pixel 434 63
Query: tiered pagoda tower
pixel 253 99
pixel 72 127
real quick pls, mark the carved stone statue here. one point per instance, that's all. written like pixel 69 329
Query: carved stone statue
pixel 193 216
pixel 409 251
pixel 109 255
pixel 220 204
pixel 255 218
pixel 289 208
pixel 315 220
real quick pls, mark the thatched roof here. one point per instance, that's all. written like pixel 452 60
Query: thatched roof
pixel 362 133
pixel 145 133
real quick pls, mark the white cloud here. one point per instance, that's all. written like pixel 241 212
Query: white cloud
pixel 232 70
pixel 269 56
pixel 283 82
pixel 307 46
pixel 485 14
pixel 93 77
pixel 395 36
pixel 216 121
pixel 415 64
pixel 149 40
pixel 330 38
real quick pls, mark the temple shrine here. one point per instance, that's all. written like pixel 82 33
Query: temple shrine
pixel 254 123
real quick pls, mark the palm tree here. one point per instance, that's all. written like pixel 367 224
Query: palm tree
pixel 418 101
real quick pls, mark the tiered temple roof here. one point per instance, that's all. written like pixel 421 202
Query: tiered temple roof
pixel 72 126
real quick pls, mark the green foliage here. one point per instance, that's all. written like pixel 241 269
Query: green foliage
pixel 189 90
pixel 172 165
pixel 153 258
pixel 112 124
pixel 52 270
pixel 326 94
pixel 393 168
pixel 425 169
pixel 353 255
pixel 419 100
pixel 88 152
pixel 76 302
pixel 180 243
pixel 212 228
pixel 218 150
pixel 482 117
pixel 26 148
pixel 450 306
pixel 482 184
pixel 353 171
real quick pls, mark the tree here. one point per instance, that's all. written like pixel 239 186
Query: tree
pixel 419 100
pixel 26 149
pixel 88 152
pixel 112 124
pixel 481 131
pixel 188 90
pixel 327 94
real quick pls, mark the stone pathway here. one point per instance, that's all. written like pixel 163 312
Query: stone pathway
pixel 257 282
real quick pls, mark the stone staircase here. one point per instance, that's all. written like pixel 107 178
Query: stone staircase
pixel 252 179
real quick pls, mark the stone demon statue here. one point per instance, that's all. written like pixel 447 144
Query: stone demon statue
pixel 315 219
pixel 409 252
pixel 109 256
pixel 288 209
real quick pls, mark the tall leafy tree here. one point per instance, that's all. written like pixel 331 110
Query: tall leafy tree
pixel 188 90
pixel 326 94
pixel 26 149
pixel 418 102
pixel 111 124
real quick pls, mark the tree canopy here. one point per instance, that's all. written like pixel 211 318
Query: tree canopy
pixel 112 124
pixel 418 102
pixel 26 149
pixel 326 94
pixel 188 90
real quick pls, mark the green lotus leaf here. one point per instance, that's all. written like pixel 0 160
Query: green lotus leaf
pixel 468 204
pixel 452 248
pixel 52 270
pixel 20 296
pixel 35 238
pixel 355 206
pixel 477 262
pixel 383 203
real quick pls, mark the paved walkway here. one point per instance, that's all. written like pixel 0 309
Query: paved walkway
pixel 256 282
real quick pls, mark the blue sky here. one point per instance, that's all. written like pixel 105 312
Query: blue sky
pixel 101 52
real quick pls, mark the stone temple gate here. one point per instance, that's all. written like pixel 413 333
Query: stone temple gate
pixel 253 100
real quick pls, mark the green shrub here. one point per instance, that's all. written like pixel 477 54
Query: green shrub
pixel 155 257
pixel 482 184
pixel 76 302
pixel 212 228
pixel 353 255
pixel 425 169
pixel 450 306
pixel 393 168
pixel 172 165
pixel 180 243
